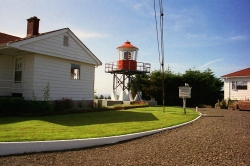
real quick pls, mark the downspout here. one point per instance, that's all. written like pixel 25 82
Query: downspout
pixel 229 92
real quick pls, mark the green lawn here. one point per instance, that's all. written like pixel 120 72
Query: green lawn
pixel 91 124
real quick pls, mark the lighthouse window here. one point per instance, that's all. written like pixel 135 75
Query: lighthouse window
pixel 75 72
pixel 127 55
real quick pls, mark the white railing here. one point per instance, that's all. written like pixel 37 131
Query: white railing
pixel 112 66
pixel 143 66
pixel 140 66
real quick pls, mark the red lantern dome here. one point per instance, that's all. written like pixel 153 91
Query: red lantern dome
pixel 127 45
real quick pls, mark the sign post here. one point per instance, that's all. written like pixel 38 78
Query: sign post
pixel 185 92
pixel 184 105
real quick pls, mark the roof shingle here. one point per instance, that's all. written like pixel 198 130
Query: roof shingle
pixel 5 38
pixel 240 73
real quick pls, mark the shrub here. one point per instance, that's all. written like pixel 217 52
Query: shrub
pixel 223 104
pixel 63 104
pixel 10 105
pixel 46 92
pixel 79 104
pixel 18 106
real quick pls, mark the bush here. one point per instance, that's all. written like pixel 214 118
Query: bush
pixel 10 105
pixel 63 104
pixel 39 107
pixel 223 104
pixel 17 106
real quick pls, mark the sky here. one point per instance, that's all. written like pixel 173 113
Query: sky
pixel 212 34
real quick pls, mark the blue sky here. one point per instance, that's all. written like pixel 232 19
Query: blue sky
pixel 198 34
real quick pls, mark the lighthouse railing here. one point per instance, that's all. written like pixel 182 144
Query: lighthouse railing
pixel 143 66
pixel 112 66
pixel 140 66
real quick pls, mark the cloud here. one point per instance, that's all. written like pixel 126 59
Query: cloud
pixel 196 36
pixel 208 63
pixel 239 37
pixel 82 34
pixel 138 6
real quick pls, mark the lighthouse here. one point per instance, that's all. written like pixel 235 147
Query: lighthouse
pixel 124 70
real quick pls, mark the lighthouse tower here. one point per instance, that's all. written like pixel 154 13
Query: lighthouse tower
pixel 124 70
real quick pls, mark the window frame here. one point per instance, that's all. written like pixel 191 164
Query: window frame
pixel 75 71
pixel 234 85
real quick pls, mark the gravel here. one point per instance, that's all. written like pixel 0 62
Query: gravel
pixel 219 137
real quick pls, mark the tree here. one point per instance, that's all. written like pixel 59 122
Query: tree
pixel 141 83
pixel 171 83
pixel 155 87
pixel 95 96
pixel 206 88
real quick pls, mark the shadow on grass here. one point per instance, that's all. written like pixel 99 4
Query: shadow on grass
pixel 82 119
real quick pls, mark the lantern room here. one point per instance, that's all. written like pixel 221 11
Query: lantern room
pixel 127 55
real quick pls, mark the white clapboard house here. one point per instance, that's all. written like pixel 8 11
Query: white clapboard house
pixel 237 85
pixel 57 58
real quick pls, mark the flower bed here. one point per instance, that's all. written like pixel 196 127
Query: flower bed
pixel 244 105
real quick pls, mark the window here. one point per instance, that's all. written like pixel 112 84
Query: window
pixel 75 72
pixel 127 55
pixel 242 85
pixel 239 85
pixel 18 70
pixel 65 40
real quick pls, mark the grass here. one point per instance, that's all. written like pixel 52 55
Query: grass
pixel 90 124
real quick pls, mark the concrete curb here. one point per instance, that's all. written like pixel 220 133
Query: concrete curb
pixel 8 148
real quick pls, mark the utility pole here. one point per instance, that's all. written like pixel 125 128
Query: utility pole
pixel 161 48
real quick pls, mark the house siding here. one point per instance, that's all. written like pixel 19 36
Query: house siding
pixel 237 94
pixel 54 46
pixel 6 74
pixel 56 71
pixel 28 76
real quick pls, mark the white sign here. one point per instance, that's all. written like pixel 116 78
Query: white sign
pixel 185 92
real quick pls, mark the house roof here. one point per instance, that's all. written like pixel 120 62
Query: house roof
pixel 240 73
pixel 5 38
pixel 9 40
pixel 13 39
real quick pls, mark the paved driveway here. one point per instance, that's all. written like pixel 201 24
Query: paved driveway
pixel 219 137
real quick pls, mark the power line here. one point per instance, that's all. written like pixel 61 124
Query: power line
pixel 157 35
pixel 160 51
